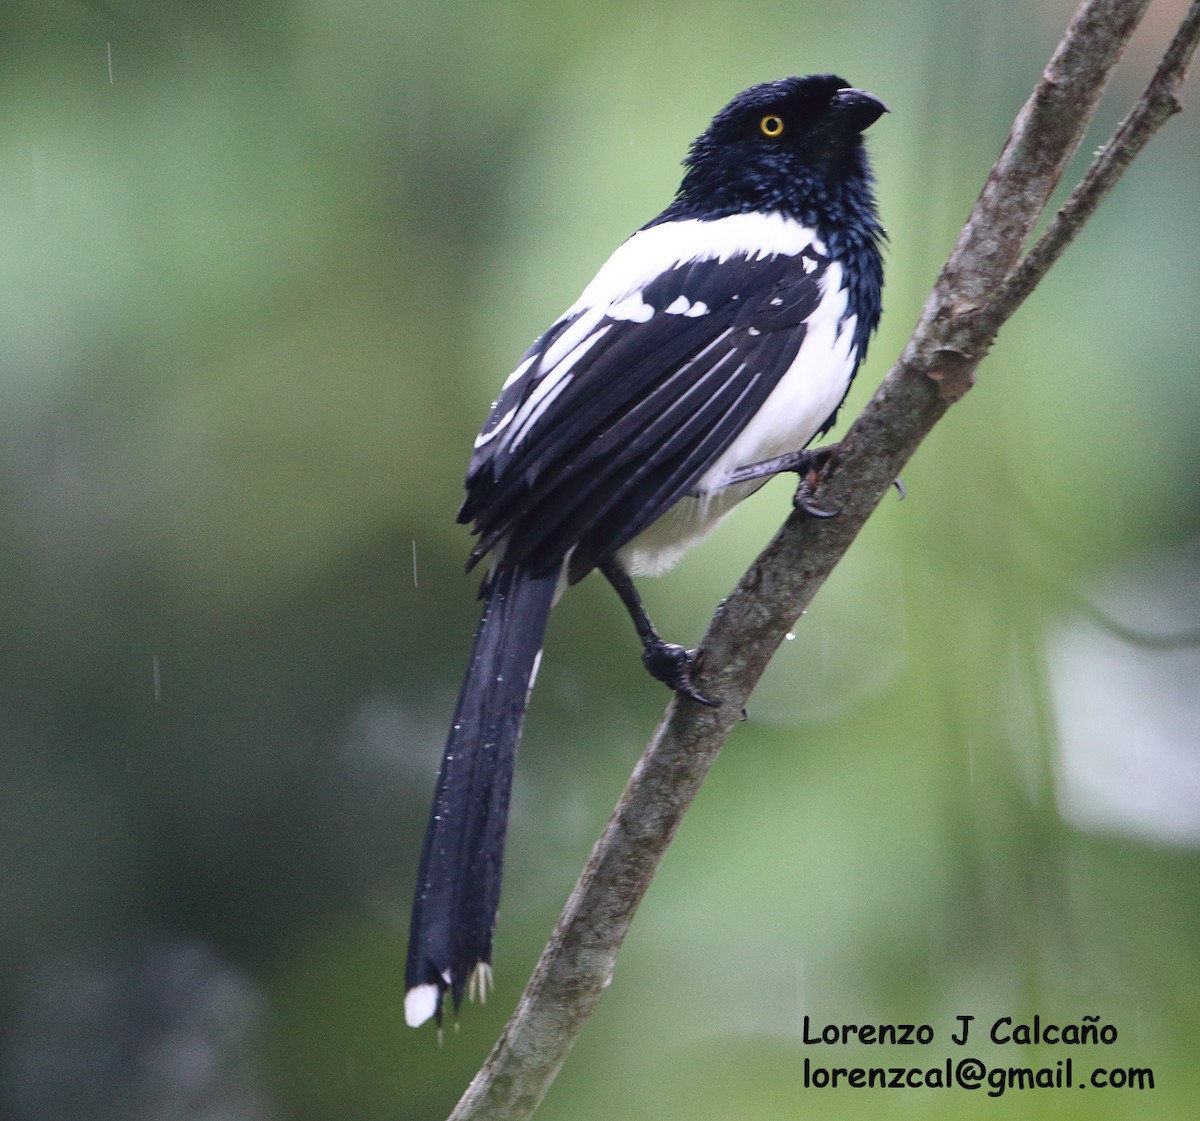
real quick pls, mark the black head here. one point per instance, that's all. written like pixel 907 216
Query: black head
pixel 794 145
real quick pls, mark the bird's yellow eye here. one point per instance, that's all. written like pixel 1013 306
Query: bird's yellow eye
pixel 771 126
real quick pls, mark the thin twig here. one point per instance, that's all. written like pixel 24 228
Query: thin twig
pixel 956 328
pixel 1159 102
pixel 959 320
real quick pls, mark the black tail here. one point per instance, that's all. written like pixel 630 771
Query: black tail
pixel 458 882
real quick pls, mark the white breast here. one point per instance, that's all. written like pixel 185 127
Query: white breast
pixel 806 395
pixel 791 416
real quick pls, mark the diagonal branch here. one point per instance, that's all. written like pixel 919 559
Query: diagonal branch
pixel 980 286
pixel 1158 104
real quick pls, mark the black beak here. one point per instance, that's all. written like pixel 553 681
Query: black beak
pixel 857 110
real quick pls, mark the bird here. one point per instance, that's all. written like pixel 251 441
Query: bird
pixel 705 356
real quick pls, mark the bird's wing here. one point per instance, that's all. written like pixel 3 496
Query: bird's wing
pixel 617 411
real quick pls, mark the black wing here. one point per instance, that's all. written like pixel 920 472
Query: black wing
pixel 609 421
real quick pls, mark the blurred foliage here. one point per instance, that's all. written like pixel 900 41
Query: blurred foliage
pixel 261 268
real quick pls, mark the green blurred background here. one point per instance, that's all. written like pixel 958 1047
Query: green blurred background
pixel 262 268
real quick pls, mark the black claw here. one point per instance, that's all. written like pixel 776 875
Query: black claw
pixel 671 664
pixel 803 500
pixel 899 488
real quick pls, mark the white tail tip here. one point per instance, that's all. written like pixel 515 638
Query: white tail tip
pixel 480 983
pixel 419 1004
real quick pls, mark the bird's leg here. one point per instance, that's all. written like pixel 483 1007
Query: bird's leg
pixel 667 662
pixel 805 463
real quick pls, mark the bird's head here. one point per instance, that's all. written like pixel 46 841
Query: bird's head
pixel 793 145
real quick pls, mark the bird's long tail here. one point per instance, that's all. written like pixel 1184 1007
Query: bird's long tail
pixel 458 882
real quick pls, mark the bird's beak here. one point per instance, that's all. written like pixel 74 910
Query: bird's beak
pixel 857 109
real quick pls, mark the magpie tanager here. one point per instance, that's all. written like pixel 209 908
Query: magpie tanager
pixel 707 353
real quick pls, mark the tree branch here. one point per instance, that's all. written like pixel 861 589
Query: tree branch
pixel 980 286
pixel 1157 105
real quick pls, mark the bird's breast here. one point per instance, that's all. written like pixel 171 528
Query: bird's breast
pixel 807 395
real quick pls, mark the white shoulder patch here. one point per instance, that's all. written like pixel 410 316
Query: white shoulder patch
pixel 631 307
pixel 681 305
pixel 651 252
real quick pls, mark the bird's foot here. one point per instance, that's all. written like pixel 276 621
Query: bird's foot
pixel 808 464
pixel 810 476
pixel 671 664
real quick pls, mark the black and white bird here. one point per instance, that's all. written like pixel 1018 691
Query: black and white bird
pixel 707 353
